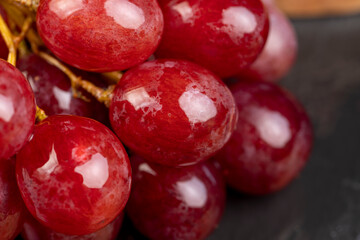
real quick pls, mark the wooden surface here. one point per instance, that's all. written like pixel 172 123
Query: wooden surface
pixel 318 8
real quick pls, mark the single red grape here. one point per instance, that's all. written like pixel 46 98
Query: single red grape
pixel 280 50
pixel 17 110
pixel 3 48
pixel 53 91
pixel 52 88
pixel 11 205
pixel 33 230
pixel 172 112
pixel 224 36
pixel 74 175
pixel 272 140
pixel 100 35
pixel 176 203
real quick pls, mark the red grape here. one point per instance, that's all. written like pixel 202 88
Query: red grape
pixel 172 112
pixel 53 90
pixel 100 35
pixel 11 205
pixel 176 203
pixel 272 140
pixel 17 110
pixel 74 175
pixel 33 230
pixel 224 36
pixel 280 50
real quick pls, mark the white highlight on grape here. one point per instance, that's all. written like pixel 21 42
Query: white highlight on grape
pixel 6 108
pixel 125 13
pixel 64 8
pixel 240 19
pixel 63 98
pixel 197 106
pixel 50 165
pixel 193 192
pixel 184 10
pixel 273 128
pixel 140 98
pixel 95 172
pixel 144 167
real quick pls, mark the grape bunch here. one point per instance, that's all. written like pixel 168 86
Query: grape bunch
pixel 142 107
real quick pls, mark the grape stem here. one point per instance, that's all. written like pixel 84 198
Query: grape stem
pixel 8 38
pixel 17 16
pixel 40 114
pixel 29 4
pixel 24 30
pixel 113 77
pixel 102 95
pixel 12 42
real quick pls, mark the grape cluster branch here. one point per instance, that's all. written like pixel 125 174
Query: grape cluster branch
pixel 29 4
pixel 102 95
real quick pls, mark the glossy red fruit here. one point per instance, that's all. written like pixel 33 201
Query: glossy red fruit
pixel 17 110
pixel 175 203
pixel 74 175
pixel 272 140
pixel 224 36
pixel 172 112
pixel 53 91
pixel 280 51
pixel 33 230
pixel 11 205
pixel 100 35
pixel 3 48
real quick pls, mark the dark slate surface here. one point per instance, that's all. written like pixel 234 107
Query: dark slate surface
pixel 324 202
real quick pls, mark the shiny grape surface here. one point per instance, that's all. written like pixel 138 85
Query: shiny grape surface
pixel 172 112
pixel 100 35
pixel 176 203
pixel 74 175
pixel 53 92
pixel 224 36
pixel 17 110
pixel 12 209
pixel 52 88
pixel 279 53
pixel 272 140
pixel 33 230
